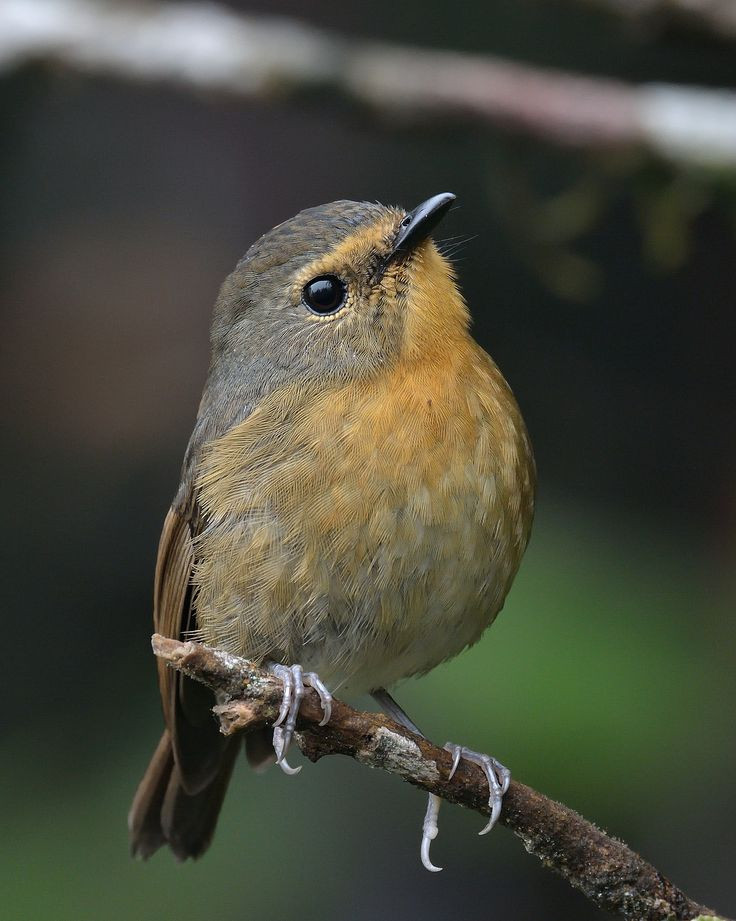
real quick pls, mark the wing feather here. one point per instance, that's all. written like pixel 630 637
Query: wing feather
pixel 196 741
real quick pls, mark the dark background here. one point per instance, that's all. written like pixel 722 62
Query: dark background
pixel 604 287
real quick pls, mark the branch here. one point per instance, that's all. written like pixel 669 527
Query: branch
pixel 602 868
pixel 715 16
pixel 206 47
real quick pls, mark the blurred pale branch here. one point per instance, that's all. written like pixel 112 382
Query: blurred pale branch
pixel 211 48
pixel 602 868
pixel 715 16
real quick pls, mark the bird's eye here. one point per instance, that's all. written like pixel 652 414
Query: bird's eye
pixel 324 295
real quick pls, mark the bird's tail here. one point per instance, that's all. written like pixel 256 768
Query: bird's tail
pixel 164 813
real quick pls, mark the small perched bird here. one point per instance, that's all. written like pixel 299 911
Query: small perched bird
pixel 355 499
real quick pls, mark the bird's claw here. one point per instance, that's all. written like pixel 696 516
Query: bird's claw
pixel 498 777
pixel 295 679
pixel 430 830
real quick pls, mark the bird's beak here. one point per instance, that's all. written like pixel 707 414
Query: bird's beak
pixel 419 223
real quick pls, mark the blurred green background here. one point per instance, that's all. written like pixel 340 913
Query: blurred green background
pixel 603 286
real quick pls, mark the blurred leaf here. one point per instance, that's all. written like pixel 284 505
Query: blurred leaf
pixel 666 212
pixel 568 274
pixel 564 217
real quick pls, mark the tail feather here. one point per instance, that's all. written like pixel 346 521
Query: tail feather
pixel 164 813
pixel 259 749
pixel 144 818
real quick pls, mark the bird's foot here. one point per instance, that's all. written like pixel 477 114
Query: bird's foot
pixel 295 680
pixel 498 777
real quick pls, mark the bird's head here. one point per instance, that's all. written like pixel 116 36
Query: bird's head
pixel 339 292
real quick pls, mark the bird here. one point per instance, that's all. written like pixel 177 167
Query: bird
pixel 354 503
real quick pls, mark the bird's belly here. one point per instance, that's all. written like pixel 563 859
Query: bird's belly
pixel 369 539
pixel 363 592
pixel 415 598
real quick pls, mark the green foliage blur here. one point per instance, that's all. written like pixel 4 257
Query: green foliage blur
pixel 604 288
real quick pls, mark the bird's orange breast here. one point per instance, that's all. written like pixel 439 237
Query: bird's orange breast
pixel 371 531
